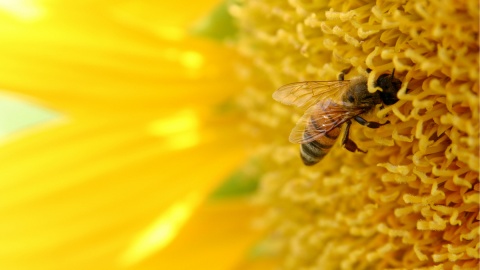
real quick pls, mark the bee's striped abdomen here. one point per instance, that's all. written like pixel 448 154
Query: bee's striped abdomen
pixel 314 151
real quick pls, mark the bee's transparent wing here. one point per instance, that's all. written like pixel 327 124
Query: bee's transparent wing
pixel 305 94
pixel 320 119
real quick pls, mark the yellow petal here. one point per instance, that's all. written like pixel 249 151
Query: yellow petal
pixel 77 195
pixel 137 147
pixel 217 237
pixel 77 60
pixel 161 232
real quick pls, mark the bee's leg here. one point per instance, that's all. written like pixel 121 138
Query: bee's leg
pixel 349 144
pixel 366 123
pixel 341 76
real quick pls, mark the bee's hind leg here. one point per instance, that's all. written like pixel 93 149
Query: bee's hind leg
pixel 341 76
pixel 366 123
pixel 347 142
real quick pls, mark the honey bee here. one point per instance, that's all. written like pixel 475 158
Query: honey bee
pixel 330 104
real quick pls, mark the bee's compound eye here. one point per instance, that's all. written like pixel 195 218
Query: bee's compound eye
pixel 351 98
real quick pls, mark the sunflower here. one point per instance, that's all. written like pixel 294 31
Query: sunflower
pixel 117 128
pixel 412 201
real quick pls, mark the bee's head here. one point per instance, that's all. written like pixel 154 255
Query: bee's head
pixel 390 86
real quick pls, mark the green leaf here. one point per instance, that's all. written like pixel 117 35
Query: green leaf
pixel 218 25
pixel 241 183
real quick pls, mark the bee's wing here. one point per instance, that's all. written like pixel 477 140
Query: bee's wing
pixel 305 94
pixel 320 119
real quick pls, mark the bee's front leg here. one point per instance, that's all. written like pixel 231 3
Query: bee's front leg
pixel 341 76
pixel 366 123
pixel 349 144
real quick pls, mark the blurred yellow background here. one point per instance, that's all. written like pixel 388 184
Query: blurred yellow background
pixel 114 133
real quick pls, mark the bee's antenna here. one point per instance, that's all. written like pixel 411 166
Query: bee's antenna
pixel 393 72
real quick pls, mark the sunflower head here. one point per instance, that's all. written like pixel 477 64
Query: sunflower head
pixel 412 200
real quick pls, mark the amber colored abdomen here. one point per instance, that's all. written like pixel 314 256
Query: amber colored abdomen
pixel 312 152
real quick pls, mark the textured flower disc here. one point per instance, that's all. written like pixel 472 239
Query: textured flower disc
pixel 412 200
